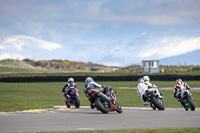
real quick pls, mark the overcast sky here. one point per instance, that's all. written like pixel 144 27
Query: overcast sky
pixel 83 26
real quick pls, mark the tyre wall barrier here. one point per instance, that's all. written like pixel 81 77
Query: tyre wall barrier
pixel 99 78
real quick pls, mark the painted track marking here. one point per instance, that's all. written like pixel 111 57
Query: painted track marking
pixel 59 109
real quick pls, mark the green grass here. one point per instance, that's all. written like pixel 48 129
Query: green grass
pixel 160 84
pixel 171 84
pixel 161 130
pixel 26 72
pixel 21 96
pixel 15 70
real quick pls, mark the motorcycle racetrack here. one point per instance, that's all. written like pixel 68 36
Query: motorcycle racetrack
pixel 61 118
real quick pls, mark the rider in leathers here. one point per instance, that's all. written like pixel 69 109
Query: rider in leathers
pixel 143 85
pixel 177 88
pixel 69 86
pixel 141 88
pixel 91 84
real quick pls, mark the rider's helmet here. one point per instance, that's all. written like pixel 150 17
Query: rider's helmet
pixel 179 81
pixel 140 80
pixel 70 80
pixel 88 79
pixel 146 78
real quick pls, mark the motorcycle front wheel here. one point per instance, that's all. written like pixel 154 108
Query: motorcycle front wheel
pixel 190 104
pixel 100 105
pixel 157 104
pixel 119 108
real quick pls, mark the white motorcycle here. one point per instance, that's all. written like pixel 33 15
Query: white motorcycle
pixel 150 96
pixel 186 99
pixel 155 100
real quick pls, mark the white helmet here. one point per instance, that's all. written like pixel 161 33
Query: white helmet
pixel 146 78
pixel 179 81
pixel 70 80
pixel 88 79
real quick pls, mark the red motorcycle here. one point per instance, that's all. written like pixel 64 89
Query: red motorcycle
pixel 103 102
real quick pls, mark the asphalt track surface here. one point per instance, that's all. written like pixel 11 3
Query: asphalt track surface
pixel 60 118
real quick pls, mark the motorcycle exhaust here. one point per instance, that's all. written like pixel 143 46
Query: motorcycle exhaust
pixel 104 96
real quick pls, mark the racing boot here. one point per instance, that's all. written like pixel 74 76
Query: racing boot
pixel 145 103
pixel 145 100
pixel 92 105
pixel 184 105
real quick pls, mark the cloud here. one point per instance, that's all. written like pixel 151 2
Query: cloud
pixel 30 27
pixel 112 63
pixel 154 12
pixel 20 41
pixel 71 22
pixel 172 46
pixel 146 46
pixel 82 25
pixel 151 46
pixel 94 26
pixel 119 46
pixel 144 33
pixel 11 56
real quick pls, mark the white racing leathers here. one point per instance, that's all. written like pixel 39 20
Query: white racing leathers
pixel 142 87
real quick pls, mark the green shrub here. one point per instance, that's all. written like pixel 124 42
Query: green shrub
pixel 196 69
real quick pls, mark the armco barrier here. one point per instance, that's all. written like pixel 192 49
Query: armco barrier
pixel 99 78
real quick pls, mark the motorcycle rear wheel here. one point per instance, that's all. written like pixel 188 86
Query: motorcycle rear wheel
pixel 190 104
pixel 100 106
pixel 77 101
pixel 157 104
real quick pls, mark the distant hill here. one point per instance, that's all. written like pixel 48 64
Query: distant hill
pixel 68 65
pixel 28 65
pixel 9 66
pixel 191 58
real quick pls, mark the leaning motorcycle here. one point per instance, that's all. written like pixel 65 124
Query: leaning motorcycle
pixel 186 99
pixel 103 102
pixel 72 99
pixel 154 99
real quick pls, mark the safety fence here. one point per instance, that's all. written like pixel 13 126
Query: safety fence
pixel 99 78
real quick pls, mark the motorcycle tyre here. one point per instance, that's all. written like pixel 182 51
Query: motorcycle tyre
pixel 154 108
pixel 189 100
pixel 185 105
pixel 77 101
pixel 157 104
pixel 119 108
pixel 99 106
